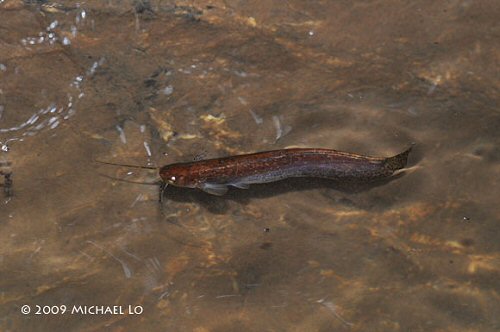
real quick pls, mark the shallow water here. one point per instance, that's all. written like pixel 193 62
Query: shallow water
pixel 152 83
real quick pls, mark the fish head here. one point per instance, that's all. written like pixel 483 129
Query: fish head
pixel 178 175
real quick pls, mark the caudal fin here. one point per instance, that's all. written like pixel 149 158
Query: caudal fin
pixel 399 161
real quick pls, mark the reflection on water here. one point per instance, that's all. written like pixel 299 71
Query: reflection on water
pixel 156 82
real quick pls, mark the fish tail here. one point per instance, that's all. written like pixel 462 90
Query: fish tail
pixel 398 161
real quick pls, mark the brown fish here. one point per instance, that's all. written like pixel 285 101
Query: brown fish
pixel 214 176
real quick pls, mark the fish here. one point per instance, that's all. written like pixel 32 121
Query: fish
pixel 216 176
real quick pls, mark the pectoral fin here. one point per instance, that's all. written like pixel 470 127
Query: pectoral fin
pixel 214 188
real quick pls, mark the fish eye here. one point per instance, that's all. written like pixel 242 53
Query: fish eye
pixel 174 179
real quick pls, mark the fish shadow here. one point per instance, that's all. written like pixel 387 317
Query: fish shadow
pixel 221 204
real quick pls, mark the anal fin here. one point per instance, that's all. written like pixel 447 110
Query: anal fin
pixel 241 185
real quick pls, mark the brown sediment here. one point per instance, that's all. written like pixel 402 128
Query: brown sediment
pixel 7 182
pixel 215 175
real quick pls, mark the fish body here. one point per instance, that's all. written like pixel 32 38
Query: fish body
pixel 216 175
